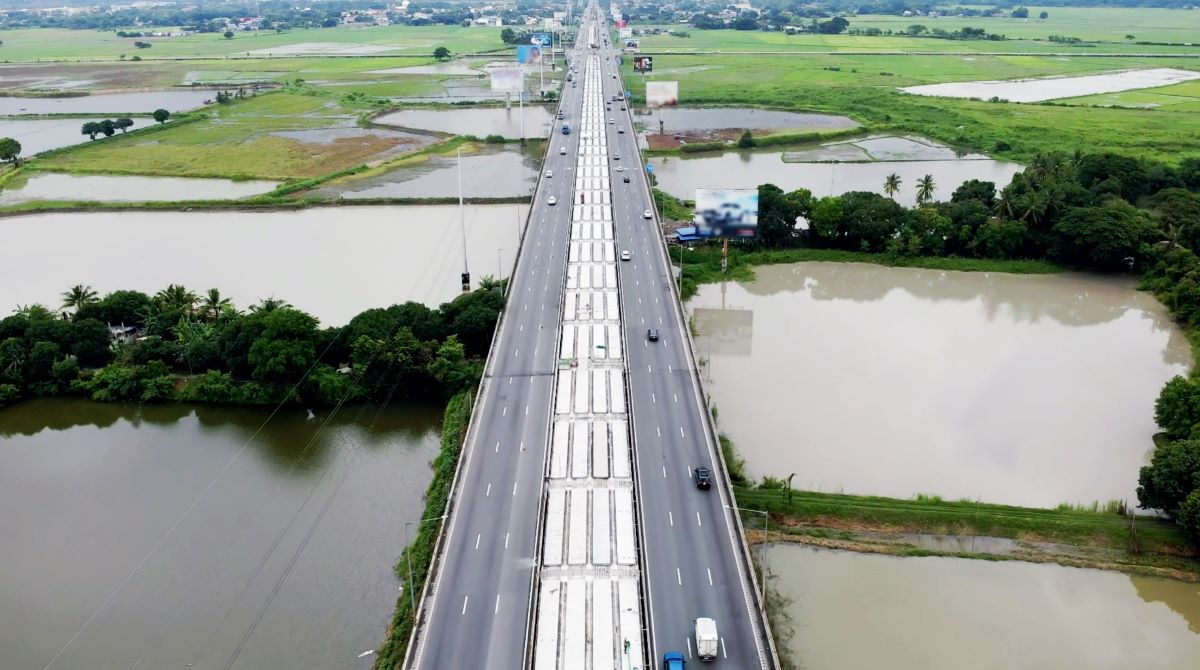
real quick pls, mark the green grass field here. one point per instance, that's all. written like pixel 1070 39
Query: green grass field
pixel 751 40
pixel 864 87
pixel 1097 24
pixel 237 141
pixel 1178 98
pixel 61 44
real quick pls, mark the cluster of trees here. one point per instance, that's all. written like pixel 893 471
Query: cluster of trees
pixel 920 30
pixel 202 349
pixel 200 17
pixel 1074 209
pixel 107 127
pixel 10 150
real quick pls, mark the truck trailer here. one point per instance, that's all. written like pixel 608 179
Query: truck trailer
pixel 706 639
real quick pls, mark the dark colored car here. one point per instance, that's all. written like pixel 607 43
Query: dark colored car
pixel 703 478
pixel 652 334
pixel 625 179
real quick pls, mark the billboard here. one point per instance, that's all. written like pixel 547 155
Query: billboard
pixel 727 213
pixel 507 79
pixel 626 33
pixel 541 39
pixel 662 93
pixel 643 64
pixel 529 55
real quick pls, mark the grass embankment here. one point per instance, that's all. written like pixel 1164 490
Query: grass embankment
pixel 865 89
pixel 420 551
pixel 702 265
pixel 1099 538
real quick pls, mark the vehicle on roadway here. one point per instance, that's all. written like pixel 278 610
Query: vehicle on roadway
pixel 616 157
pixel 566 130
pixel 625 179
pixel 549 174
pixel 620 130
pixel 652 334
pixel 703 477
pixel 625 255
pixel 673 660
pixel 562 151
pixel 647 214
pixel 551 201
pixel 560 115
pixel 706 639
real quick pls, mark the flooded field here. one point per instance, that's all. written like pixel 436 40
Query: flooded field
pixel 852 611
pixel 41 135
pixel 817 170
pixel 120 188
pixel 177 536
pixel 687 119
pixel 435 68
pixel 492 173
pixel 897 381
pixel 1053 88
pixel 331 262
pixel 109 103
pixel 478 122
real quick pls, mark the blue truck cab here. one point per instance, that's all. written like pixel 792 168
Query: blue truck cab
pixel 673 660
pixel 566 129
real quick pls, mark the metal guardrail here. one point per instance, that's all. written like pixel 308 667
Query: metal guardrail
pixel 711 433
pixel 434 573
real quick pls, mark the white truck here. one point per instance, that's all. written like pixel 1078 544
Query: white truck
pixel 706 639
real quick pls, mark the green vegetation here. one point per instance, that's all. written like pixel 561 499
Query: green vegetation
pixel 202 349
pixel 42 44
pixel 1091 24
pixel 865 88
pixel 1126 542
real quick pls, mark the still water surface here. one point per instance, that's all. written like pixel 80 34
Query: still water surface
pixel 478 122
pixel 681 176
pixel 854 611
pixel 285 562
pixel 1022 389
pixel 684 119
pixel 127 188
pixel 492 173
pixel 38 135
pixel 331 262
pixel 109 103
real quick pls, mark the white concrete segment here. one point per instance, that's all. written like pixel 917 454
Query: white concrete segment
pixel 589 604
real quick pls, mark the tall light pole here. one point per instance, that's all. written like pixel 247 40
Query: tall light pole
pixel 462 223
pixel 412 598
pixel 499 265
pixel 762 556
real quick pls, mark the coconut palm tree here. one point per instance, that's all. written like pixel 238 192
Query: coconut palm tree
pixel 925 189
pixel 213 304
pixel 177 297
pixel 269 305
pixel 891 185
pixel 488 282
pixel 79 296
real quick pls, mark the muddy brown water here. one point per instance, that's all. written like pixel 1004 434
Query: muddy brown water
pixel 478 122
pixel 1022 389
pixel 332 262
pixel 176 537
pixel 852 611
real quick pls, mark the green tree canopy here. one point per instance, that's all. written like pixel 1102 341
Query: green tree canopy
pixel 10 150
pixel 1173 473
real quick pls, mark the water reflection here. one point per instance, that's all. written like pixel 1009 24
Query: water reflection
pixel 294 531
pixel 894 381
pixel 858 611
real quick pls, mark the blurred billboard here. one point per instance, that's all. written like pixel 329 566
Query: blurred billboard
pixel 727 213
pixel 643 63
pixel 529 55
pixel 541 39
pixel 507 79
pixel 662 93
pixel 626 33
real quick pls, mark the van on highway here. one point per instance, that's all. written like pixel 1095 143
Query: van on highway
pixel 706 639
pixel 673 660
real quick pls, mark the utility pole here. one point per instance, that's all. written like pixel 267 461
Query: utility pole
pixel 462 224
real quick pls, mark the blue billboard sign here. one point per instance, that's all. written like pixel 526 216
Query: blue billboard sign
pixel 541 39
pixel 528 55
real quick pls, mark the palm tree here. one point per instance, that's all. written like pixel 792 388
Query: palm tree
pixel 925 189
pixel 214 304
pixel 891 185
pixel 269 305
pixel 488 282
pixel 79 296
pixel 176 297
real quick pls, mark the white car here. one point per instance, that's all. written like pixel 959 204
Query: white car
pixel 625 255
pixel 645 215
pixel 620 168
pixel 552 201
pixel 610 120
pixel 562 151
pixel 549 174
